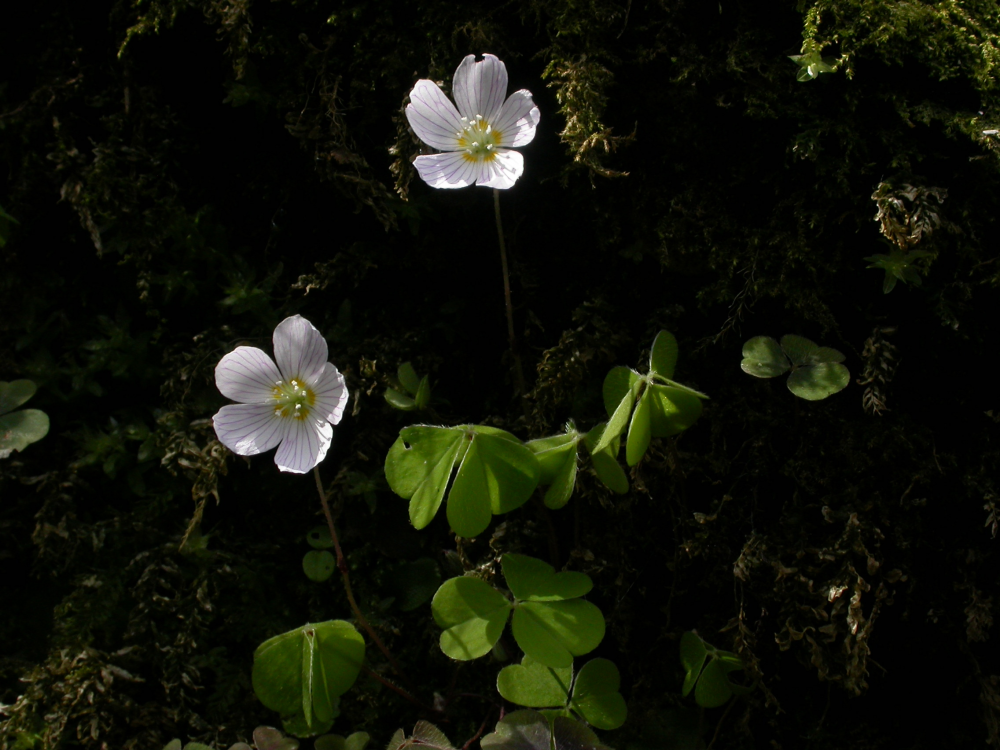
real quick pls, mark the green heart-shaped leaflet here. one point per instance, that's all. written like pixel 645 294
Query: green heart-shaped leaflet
pixel 663 354
pixel 595 694
pixel 496 474
pixel 605 461
pixel 531 730
pixel 763 358
pixel 550 622
pixel 472 615
pixel 318 565
pixel 693 655
pixel 621 386
pixel 817 370
pixel 302 673
pixel 535 685
pixel 557 459
pixel 19 429
pixel 596 697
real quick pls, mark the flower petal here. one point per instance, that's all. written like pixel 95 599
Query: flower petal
pixel 300 349
pixel 304 446
pixel 331 395
pixel 503 171
pixel 247 375
pixel 433 117
pixel 517 120
pixel 249 429
pixel 452 170
pixel 479 87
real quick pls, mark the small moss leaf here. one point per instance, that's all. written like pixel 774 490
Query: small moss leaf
pixel 621 387
pixel 269 738
pixel 318 565
pixel 302 673
pixel 816 382
pixel 693 654
pixel 596 697
pixel 531 579
pixel 535 685
pixel 763 358
pixel 663 355
pixel 472 614
pixel 408 378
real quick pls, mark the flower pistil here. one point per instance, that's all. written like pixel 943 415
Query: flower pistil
pixel 478 139
pixel 293 399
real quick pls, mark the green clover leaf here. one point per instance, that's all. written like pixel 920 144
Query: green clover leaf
pixel 550 622
pixel 416 390
pixel 496 474
pixel 898 266
pixel 301 674
pixel 816 370
pixel 710 681
pixel 532 730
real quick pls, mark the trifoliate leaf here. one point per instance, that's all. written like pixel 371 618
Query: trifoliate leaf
pixel 269 738
pixel 472 614
pixel 301 673
pixel 534 730
pixel 496 474
pixel 898 266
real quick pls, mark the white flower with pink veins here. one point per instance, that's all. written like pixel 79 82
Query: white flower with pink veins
pixel 291 405
pixel 478 135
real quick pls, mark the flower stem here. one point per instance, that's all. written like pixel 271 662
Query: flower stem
pixel 518 372
pixel 342 565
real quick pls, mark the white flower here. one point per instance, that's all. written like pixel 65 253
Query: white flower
pixel 477 137
pixel 292 403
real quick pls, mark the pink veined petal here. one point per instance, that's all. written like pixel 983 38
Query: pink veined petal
pixel 249 429
pixel 450 170
pixel 300 349
pixel 479 87
pixel 331 395
pixel 305 444
pixel 517 120
pixel 247 375
pixel 433 117
pixel 503 171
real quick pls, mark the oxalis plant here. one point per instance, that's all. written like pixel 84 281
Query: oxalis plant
pixel 292 402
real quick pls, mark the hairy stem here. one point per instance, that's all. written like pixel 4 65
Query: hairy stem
pixel 518 372
pixel 342 565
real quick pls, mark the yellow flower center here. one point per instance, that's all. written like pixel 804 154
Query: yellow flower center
pixel 479 139
pixel 293 399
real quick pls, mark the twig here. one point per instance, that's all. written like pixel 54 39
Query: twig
pixel 478 734
pixel 715 735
